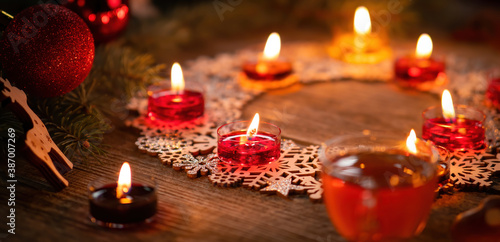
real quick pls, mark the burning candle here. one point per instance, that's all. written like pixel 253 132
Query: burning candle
pixel 174 103
pixel 454 127
pixel 493 91
pixel 123 203
pixel 249 144
pixel 269 71
pixel 362 46
pixel 420 71
pixel 378 187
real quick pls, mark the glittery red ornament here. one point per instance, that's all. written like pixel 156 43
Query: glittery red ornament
pixel 47 50
pixel 106 19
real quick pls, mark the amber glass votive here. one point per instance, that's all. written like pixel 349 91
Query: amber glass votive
pixel 267 74
pixel 356 49
pixel 419 73
pixel 137 206
pixel 464 132
pixel 235 147
pixel 375 189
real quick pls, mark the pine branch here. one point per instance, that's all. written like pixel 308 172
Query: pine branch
pixel 122 70
pixel 71 129
pixel 77 120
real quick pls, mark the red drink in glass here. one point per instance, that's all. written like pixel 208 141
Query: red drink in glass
pixel 464 132
pixel 234 147
pixel 378 192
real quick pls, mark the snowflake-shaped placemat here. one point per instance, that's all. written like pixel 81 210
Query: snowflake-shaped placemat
pixel 190 146
pixel 298 164
pixel 473 168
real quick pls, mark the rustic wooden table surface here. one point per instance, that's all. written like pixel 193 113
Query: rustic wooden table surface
pixel 194 210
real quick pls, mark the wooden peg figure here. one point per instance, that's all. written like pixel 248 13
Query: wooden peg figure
pixel 41 151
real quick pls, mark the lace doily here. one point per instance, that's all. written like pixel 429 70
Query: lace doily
pixel 190 147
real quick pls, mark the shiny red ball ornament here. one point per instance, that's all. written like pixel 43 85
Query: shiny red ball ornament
pixel 47 50
pixel 107 19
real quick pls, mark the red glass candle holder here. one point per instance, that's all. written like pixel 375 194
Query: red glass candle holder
pixel 419 73
pixel 137 207
pixel 375 189
pixel 235 148
pixel 464 132
pixel 267 74
pixel 493 91
pixel 172 106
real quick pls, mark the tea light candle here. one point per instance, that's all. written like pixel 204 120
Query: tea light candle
pixel 493 92
pixel 454 127
pixel 259 144
pixel 268 71
pixel 362 46
pixel 175 103
pixel 420 71
pixel 122 204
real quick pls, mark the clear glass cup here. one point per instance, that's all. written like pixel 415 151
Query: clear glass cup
pixel 375 188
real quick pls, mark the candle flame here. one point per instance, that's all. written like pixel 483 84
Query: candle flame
pixel 124 180
pixel 362 22
pixel 447 105
pixel 177 79
pixel 411 142
pixel 273 46
pixel 424 46
pixel 252 129
pixel 254 126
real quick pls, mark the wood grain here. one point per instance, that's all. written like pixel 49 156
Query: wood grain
pixel 317 112
pixel 194 210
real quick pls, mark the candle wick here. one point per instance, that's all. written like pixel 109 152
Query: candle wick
pixel 252 133
pixel 450 120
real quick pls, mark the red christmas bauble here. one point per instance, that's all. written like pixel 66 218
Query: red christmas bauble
pixel 47 50
pixel 106 19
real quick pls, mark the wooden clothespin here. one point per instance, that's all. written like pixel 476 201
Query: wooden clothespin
pixel 41 151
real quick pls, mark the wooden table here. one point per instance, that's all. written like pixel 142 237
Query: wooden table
pixel 194 210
